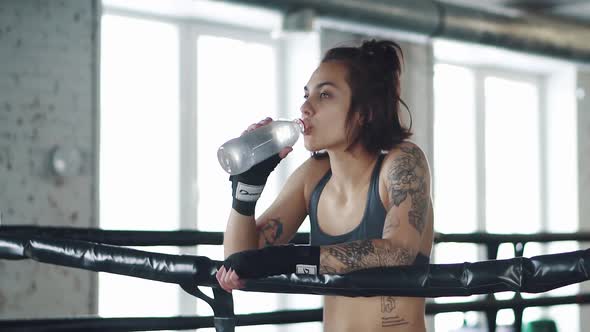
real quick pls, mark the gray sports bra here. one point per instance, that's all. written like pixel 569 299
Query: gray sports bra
pixel 372 222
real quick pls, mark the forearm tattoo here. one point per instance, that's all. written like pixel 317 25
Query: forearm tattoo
pixel 408 177
pixel 390 317
pixel 271 231
pixel 358 255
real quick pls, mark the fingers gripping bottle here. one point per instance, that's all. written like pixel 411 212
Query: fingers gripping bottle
pixel 241 153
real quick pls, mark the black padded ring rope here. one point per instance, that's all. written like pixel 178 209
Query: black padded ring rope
pixel 533 275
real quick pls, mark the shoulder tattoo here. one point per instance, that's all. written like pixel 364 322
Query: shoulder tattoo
pixel 408 177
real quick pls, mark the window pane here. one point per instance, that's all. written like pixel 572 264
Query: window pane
pixel 449 321
pixel 505 317
pixel 454 150
pixel 232 92
pixel 138 151
pixel 454 173
pixel 512 156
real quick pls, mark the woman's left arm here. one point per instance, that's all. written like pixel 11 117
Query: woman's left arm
pixel 408 188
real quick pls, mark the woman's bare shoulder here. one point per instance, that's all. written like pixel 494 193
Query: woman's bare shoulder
pixel 313 167
pixel 405 148
pixel 311 171
pixel 404 155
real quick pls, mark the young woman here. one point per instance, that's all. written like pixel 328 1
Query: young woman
pixel 367 193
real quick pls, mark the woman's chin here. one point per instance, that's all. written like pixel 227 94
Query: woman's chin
pixel 311 147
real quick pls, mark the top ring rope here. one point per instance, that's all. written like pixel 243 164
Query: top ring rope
pixel 531 275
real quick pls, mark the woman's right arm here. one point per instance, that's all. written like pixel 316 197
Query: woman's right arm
pixel 276 225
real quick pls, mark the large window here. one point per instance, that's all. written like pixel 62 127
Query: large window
pixel 491 173
pixel 232 92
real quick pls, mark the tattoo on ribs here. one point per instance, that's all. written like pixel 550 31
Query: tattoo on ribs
pixel 358 255
pixel 390 318
pixel 407 178
pixel 272 231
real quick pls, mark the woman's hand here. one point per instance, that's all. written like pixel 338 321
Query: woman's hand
pixel 247 187
pixel 228 279
pixel 266 262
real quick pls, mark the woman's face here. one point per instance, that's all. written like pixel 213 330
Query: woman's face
pixel 327 101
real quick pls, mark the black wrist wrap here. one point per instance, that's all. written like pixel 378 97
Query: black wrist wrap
pixel 247 187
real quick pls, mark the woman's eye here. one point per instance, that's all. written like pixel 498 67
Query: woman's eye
pixel 305 96
pixel 324 95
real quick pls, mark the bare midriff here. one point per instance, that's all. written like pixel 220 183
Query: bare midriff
pixel 381 313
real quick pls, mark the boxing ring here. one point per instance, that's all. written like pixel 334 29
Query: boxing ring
pixel 103 251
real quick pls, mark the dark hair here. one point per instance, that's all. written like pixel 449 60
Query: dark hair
pixel 374 70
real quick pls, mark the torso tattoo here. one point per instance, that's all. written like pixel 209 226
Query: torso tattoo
pixel 389 316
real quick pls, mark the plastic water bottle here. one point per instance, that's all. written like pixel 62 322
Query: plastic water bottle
pixel 241 153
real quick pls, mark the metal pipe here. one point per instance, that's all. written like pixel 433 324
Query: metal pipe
pixel 521 32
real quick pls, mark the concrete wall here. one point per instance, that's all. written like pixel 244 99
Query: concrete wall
pixel 583 112
pixel 48 99
pixel 583 94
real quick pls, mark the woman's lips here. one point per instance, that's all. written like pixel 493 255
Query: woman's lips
pixel 307 127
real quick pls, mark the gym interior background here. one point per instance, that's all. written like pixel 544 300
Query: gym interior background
pixel 111 113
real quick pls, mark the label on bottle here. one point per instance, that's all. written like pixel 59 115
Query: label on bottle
pixel 248 192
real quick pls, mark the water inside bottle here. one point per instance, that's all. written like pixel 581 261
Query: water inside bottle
pixel 226 160
pixel 269 142
pixel 240 154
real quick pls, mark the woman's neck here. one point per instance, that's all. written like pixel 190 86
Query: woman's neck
pixel 351 169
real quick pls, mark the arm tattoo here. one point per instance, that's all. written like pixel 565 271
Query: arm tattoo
pixel 272 231
pixel 364 254
pixel 391 223
pixel 390 318
pixel 407 177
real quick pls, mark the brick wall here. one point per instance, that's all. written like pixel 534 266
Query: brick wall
pixel 48 99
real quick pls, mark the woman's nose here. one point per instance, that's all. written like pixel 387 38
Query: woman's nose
pixel 305 109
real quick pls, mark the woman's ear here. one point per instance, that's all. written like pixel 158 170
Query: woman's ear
pixel 359 119
pixel 365 118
